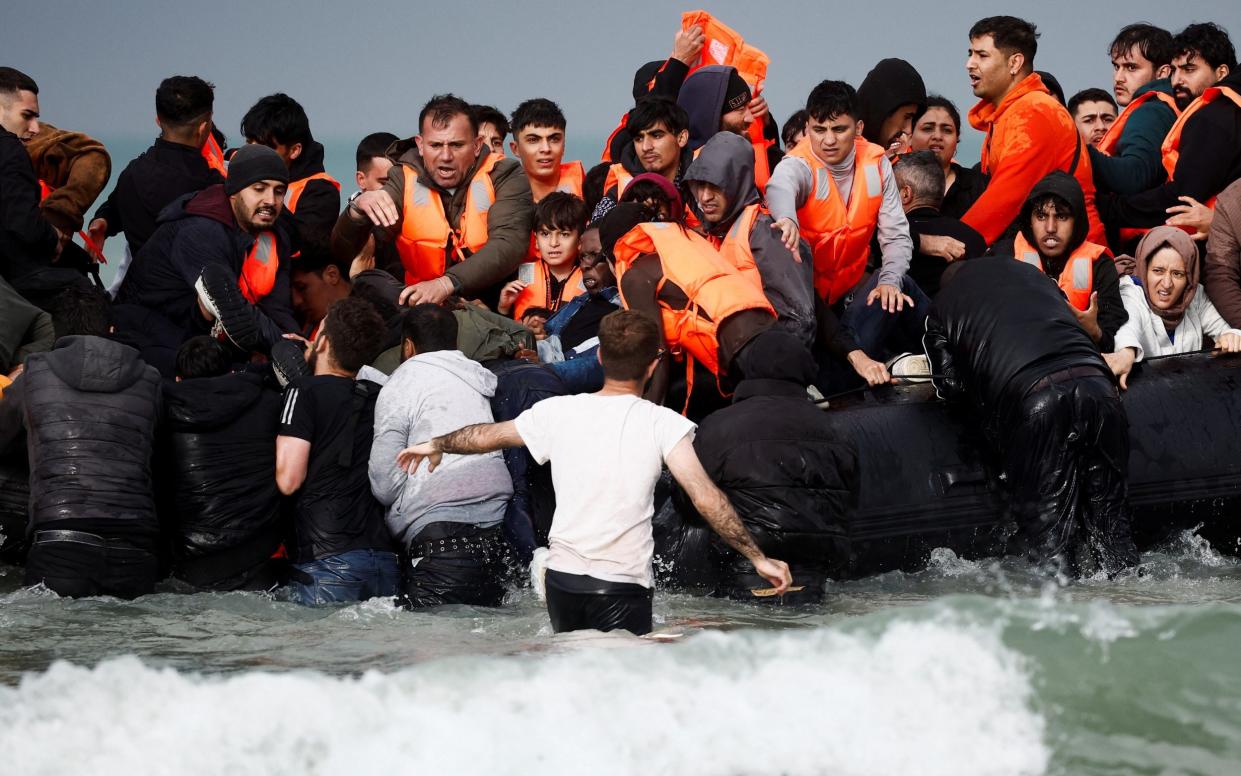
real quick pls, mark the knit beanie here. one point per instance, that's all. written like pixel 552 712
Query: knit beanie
pixel 736 95
pixel 251 164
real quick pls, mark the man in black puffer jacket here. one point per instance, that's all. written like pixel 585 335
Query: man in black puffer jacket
pixel 89 407
pixel 787 474
pixel 218 494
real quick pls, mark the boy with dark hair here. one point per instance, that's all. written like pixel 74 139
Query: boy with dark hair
pixel 492 127
pixel 599 563
pixel 340 549
pixel 553 277
pixel 1093 111
pixel 538 140
pixel 202 356
pixel 373 163
pixel 572 335
pixel 660 131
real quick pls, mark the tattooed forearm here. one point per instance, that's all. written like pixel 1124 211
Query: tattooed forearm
pixel 468 440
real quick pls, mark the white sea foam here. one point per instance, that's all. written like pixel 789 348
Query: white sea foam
pixel 920 697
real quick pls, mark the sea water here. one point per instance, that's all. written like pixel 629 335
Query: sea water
pixel 966 667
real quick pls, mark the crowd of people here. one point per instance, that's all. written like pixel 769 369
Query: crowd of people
pixel 479 364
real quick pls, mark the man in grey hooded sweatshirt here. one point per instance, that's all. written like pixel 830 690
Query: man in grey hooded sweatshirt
pixel 448 526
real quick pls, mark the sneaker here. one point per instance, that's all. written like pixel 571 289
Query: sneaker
pixel 287 362
pixel 217 290
pixel 912 367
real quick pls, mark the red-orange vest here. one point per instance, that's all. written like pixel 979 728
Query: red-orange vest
pixel 572 176
pixel 715 289
pixel 293 192
pixel 258 273
pixel 539 292
pixel 619 177
pixel 425 231
pixel 214 155
pixel 840 232
pixel 735 247
pixel 1076 279
pixel 1172 143
pixel 1112 139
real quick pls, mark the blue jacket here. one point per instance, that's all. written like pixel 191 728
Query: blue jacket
pixel 1137 165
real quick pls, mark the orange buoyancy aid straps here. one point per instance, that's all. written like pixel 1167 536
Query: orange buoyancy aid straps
pixel 258 272
pixel 838 232
pixel 214 155
pixel 293 193
pixel 1171 148
pixel 425 232
pixel 539 292
pixel 1111 141
pixel 1076 279
pixel 618 177
pixel 735 247
pixel 94 249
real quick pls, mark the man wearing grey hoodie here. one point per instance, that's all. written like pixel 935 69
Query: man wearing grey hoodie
pixel 447 526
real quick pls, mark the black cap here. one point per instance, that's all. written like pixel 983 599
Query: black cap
pixel 251 164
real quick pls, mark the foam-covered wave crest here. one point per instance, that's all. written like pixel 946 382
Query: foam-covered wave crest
pixel 918 697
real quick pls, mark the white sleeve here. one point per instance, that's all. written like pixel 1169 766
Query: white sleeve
pixel 536 431
pixel 1213 324
pixel 670 429
pixel 1129 335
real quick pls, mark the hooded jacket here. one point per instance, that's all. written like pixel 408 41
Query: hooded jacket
pixel 77 166
pixel 1210 160
pixel 702 97
pixel 727 162
pixel 220 485
pixel 429 395
pixel 1111 308
pixel 508 221
pixel 1138 163
pixel 194 231
pixel 660 78
pixel 91 406
pixel 889 85
pixel 319 204
pixel 1029 134
pixel 27 238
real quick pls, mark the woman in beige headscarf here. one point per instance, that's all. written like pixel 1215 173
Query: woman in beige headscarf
pixel 1168 311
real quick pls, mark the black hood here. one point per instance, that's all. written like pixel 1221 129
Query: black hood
pixel 889 85
pixel 776 354
pixel 210 401
pixel 309 162
pixel 642 78
pixel 702 97
pixel 726 161
pixel 1067 188
pixel 95 364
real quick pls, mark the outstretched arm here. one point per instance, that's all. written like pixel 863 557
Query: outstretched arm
pixel 470 440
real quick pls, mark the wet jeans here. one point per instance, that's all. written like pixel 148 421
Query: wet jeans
pixel 350 576
pixel 882 334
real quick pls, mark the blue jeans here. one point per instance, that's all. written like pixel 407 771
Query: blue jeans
pixel 882 334
pixel 350 576
pixel 581 373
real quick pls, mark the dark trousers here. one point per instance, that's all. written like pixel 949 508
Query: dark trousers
pixel 882 334
pixel 1065 452
pixel 91 565
pixel 454 563
pixel 577 602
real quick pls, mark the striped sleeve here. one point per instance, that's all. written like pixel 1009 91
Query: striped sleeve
pixel 297 415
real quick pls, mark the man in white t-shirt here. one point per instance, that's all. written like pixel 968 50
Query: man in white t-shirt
pixel 607 450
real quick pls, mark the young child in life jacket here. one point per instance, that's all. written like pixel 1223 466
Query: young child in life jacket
pixel 552 277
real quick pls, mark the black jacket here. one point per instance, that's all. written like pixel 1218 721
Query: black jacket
pixel 1210 160
pixel 667 76
pixel 91 407
pixel 998 327
pixel 925 269
pixel 27 240
pixel 220 469
pixel 150 183
pixel 964 191
pixel 319 205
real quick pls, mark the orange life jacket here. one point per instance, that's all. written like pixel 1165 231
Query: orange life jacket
pixel 735 247
pixel 840 232
pixel 214 155
pixel 293 192
pixel 425 231
pixel 539 292
pixel 714 287
pixel 258 273
pixel 619 177
pixel 1076 279
pixel 1112 139
pixel 572 176
pixel 1172 143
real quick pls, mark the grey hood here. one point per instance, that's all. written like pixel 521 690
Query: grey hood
pixel 726 161
pixel 468 371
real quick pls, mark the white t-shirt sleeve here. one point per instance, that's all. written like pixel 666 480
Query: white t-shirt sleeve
pixel 536 431
pixel 671 428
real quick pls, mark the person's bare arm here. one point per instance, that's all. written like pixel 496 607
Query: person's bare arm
pixel 715 508
pixel 470 440
pixel 292 456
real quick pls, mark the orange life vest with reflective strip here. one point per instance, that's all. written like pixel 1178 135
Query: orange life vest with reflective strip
pixel 1172 143
pixel 1077 278
pixel 258 273
pixel 293 192
pixel 425 231
pixel 714 287
pixel 214 155
pixel 840 232
pixel 1112 139
pixel 735 247
pixel 539 292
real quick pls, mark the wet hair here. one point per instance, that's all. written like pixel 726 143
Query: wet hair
pixel 81 311
pixel 921 172
pixel 939 101
pixel 1092 94
pixel 628 342
pixel 183 100
pixel 654 110
pixel 374 144
pixel 536 312
pixel 561 210
pixel 1010 35
pixel 648 192
pixel 1050 202
pixel 442 108
pixel 796 123
pixel 592 185
pixel 202 356
pixel 384 304
pixel 539 112
pixel 1209 41
pixel 13 81
pixel 356 332
pixel 1154 43
pixel 277 118
pixel 486 114
pixel 430 327
pixel 831 99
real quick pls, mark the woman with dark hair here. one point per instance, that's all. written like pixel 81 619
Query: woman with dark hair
pixel 938 129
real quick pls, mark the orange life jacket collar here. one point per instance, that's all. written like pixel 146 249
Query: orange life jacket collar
pixel 1076 279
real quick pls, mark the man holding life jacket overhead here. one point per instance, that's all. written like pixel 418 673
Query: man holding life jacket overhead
pixel 459 214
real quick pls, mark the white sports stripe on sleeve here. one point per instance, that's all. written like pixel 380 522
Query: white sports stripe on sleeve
pixel 289 403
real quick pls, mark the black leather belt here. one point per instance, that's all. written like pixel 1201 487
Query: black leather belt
pixel 478 545
pixel 1072 373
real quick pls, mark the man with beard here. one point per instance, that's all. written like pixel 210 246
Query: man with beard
pixel 217 263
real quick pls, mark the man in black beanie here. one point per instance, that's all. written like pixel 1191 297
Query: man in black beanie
pixel 217 263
